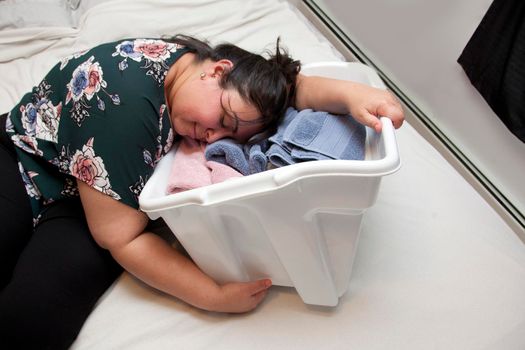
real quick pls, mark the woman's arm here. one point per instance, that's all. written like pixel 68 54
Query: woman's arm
pixel 366 104
pixel 120 229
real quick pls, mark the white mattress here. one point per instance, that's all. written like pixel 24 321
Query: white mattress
pixel 436 267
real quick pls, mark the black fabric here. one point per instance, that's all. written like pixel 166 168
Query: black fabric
pixel 494 61
pixel 16 223
pixel 52 275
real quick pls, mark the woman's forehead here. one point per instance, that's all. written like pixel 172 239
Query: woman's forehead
pixel 244 116
pixel 238 107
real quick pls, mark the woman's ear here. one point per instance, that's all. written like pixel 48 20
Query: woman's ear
pixel 222 66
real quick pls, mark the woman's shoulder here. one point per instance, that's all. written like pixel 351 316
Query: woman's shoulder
pixel 125 51
pixel 147 51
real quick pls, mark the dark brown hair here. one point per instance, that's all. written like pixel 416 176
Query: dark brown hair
pixel 267 84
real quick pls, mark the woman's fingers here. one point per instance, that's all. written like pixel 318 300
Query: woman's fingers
pixel 393 111
pixel 370 113
pixel 370 120
pixel 241 296
pixel 258 286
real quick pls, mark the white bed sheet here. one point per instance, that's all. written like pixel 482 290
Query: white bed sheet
pixel 436 267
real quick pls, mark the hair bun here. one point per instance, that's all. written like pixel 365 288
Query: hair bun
pixel 289 67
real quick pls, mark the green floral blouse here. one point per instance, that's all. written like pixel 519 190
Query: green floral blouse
pixel 99 116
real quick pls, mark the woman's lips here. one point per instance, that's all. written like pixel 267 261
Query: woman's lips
pixel 195 131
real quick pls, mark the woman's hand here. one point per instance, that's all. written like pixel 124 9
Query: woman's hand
pixel 368 104
pixel 239 297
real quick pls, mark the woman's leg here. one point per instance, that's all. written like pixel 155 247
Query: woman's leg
pixel 58 279
pixel 16 222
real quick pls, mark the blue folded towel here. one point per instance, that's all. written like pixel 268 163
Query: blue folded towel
pixel 246 159
pixel 310 135
pixel 277 153
pixel 257 160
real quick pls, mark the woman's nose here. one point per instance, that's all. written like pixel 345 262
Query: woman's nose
pixel 213 135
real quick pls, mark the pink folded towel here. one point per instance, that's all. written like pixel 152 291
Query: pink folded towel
pixel 190 169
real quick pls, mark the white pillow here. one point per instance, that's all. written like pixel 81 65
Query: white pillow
pixel 36 13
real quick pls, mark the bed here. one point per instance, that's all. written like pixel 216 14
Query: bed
pixel 436 266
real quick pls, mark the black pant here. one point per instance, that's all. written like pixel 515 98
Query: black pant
pixel 51 276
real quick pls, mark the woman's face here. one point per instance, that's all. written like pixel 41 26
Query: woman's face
pixel 202 110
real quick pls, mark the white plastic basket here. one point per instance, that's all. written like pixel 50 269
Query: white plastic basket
pixel 298 225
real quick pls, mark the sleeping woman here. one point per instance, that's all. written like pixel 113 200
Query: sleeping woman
pixel 77 150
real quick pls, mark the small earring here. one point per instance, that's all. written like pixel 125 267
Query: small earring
pixel 203 75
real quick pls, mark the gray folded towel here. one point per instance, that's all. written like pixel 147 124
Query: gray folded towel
pixel 311 135
pixel 246 159
pixel 257 160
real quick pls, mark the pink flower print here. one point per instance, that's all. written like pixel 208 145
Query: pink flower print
pixel 89 168
pixel 169 141
pixel 154 50
pixel 86 80
pixel 153 53
pixel 162 108
pixel 94 80
pixel 85 168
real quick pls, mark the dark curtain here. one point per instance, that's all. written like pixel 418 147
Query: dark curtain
pixel 494 61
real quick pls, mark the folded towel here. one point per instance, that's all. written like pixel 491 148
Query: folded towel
pixel 220 172
pixel 312 135
pixel 230 152
pixel 246 159
pixel 257 160
pixel 191 170
pixel 278 153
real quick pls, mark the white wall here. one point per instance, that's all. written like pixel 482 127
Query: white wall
pixel 416 43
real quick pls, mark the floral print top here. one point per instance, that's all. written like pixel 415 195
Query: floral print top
pixel 99 116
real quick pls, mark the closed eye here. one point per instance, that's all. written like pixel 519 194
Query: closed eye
pixel 225 115
pixel 221 122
